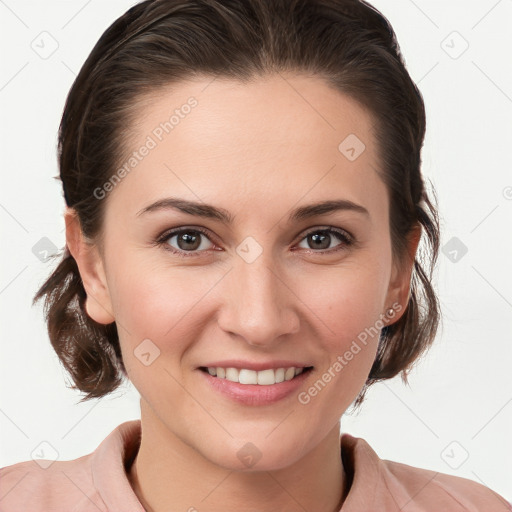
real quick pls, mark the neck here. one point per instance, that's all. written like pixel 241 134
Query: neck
pixel 168 474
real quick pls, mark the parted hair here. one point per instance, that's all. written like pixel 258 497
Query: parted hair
pixel 347 43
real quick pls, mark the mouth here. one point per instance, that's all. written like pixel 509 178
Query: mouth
pixel 265 377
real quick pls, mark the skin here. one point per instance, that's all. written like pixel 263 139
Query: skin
pixel 258 150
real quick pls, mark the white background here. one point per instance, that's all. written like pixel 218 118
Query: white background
pixel 459 403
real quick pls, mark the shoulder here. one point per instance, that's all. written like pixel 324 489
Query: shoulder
pixel 45 485
pixel 411 489
pixel 96 482
pixel 425 487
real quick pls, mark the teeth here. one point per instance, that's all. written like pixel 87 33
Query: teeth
pixel 263 377
pixel 248 377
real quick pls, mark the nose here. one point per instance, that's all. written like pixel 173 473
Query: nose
pixel 258 303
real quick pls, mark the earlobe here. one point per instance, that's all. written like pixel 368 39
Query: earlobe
pixel 399 291
pixel 98 304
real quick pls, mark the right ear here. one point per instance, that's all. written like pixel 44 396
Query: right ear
pixel 98 304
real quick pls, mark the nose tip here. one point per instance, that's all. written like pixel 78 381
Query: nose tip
pixel 258 305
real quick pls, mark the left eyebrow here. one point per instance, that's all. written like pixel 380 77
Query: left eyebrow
pixel 324 207
pixel 209 211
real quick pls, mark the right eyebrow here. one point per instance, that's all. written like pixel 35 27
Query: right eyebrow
pixel 191 207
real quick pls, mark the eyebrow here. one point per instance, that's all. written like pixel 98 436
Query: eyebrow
pixel 212 212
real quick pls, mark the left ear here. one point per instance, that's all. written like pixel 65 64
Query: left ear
pixel 400 283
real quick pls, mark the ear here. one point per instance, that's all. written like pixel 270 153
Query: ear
pixel 98 303
pixel 399 290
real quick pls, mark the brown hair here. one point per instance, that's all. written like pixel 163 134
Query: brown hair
pixel 348 43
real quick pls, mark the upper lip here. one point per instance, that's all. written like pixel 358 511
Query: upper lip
pixel 256 366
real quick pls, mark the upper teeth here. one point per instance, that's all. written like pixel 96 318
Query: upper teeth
pixel 263 377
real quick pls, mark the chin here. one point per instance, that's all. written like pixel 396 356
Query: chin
pixel 253 453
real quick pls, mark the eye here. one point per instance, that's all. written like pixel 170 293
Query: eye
pixel 321 239
pixel 186 240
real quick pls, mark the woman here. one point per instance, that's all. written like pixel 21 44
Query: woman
pixel 244 208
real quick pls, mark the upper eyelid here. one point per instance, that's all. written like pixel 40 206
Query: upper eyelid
pixel 328 228
pixel 166 235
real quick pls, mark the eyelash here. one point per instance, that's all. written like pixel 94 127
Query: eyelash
pixel 347 239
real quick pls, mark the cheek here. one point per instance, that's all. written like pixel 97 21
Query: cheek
pixel 345 301
pixel 153 308
pixel 347 307
pixel 172 306
pixel 165 305
pixel 152 300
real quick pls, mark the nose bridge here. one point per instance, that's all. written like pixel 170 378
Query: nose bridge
pixel 258 305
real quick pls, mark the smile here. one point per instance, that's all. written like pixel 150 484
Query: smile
pixel 266 377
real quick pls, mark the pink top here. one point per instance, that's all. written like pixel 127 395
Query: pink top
pixel 98 482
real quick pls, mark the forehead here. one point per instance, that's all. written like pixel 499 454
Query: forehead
pixel 276 138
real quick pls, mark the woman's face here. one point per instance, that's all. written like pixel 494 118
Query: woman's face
pixel 272 288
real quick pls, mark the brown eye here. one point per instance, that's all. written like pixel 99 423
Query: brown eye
pixel 188 240
pixel 321 239
pixel 182 241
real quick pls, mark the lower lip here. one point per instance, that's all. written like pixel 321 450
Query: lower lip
pixel 255 394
